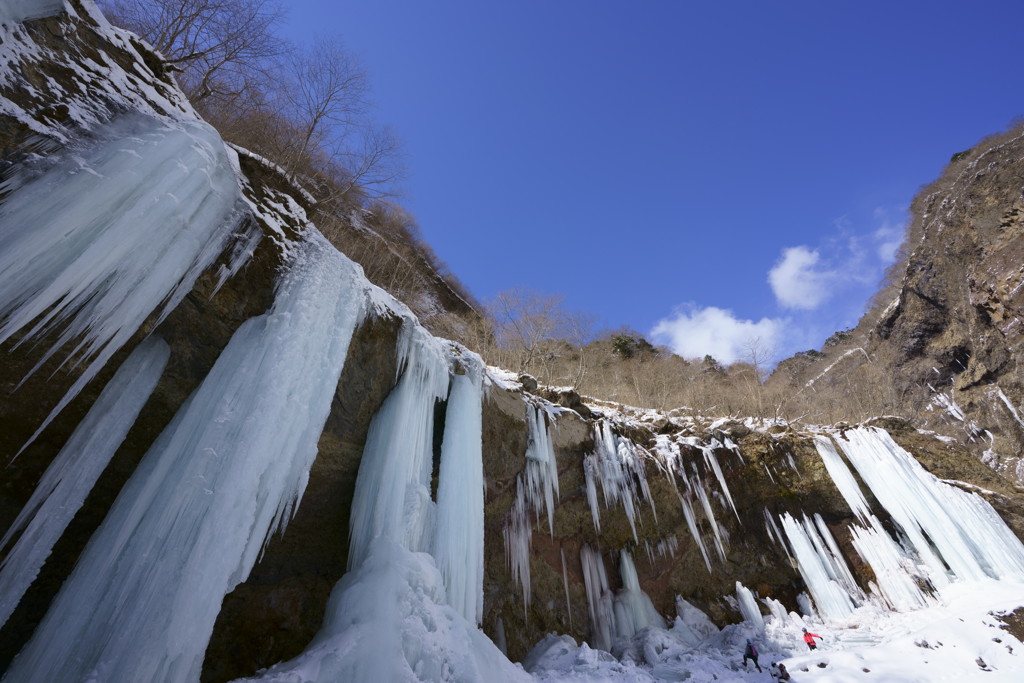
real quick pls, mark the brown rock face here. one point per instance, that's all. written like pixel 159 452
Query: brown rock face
pixel 943 347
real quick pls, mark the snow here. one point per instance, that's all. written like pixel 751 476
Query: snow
pixel 226 473
pixel 73 472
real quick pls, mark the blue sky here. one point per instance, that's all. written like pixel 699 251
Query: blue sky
pixel 701 172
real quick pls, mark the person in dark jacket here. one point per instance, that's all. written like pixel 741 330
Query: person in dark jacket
pixel 809 639
pixel 750 652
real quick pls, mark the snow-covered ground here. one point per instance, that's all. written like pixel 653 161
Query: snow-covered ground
pixel 957 638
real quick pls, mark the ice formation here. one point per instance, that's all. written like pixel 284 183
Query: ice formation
pixel 226 472
pixel 947 527
pixel 818 567
pixel 748 606
pixel 459 532
pixel 620 614
pixel 407 608
pixel 944 534
pixel 392 497
pixel 536 488
pixel 95 242
pixel 615 463
pixel 73 472
pixel 388 621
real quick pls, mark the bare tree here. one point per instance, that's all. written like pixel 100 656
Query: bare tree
pixel 526 321
pixel 217 45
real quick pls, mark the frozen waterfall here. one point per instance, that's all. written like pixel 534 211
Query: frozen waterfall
pixel 227 471
pixel 96 241
pixel 69 478
pixel 943 534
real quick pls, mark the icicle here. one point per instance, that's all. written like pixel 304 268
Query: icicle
pixel 692 526
pixel 536 487
pixel 712 460
pixel 946 526
pixel 748 607
pixel 191 521
pixel 72 474
pixel 634 610
pixel 842 477
pixel 893 572
pixel 828 548
pixel 459 533
pixel 616 463
pixel 599 598
pixel 816 568
pixel 540 453
pixel 590 475
pixel 92 246
pixel 565 583
pixel 392 496
pixel 706 504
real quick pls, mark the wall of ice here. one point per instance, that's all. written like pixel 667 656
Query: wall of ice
pixel 226 473
pixel 937 533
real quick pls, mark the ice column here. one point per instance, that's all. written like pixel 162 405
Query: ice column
pixel 459 531
pixel 72 474
pixel 633 608
pixel 392 497
pixel 95 243
pixel 748 606
pixel 191 521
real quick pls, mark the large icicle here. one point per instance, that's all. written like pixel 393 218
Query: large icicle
pixel 817 568
pixel 948 527
pixel 748 607
pixel 600 602
pixel 536 487
pixel 394 616
pixel 616 464
pixel 459 532
pixel 69 478
pixel 392 496
pixel 96 243
pixel 894 573
pixel 189 525
pixel 634 610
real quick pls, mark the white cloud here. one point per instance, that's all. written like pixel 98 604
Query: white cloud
pixel 693 332
pixel 798 281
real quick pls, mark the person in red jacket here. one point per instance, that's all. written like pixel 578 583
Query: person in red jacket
pixel 809 639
